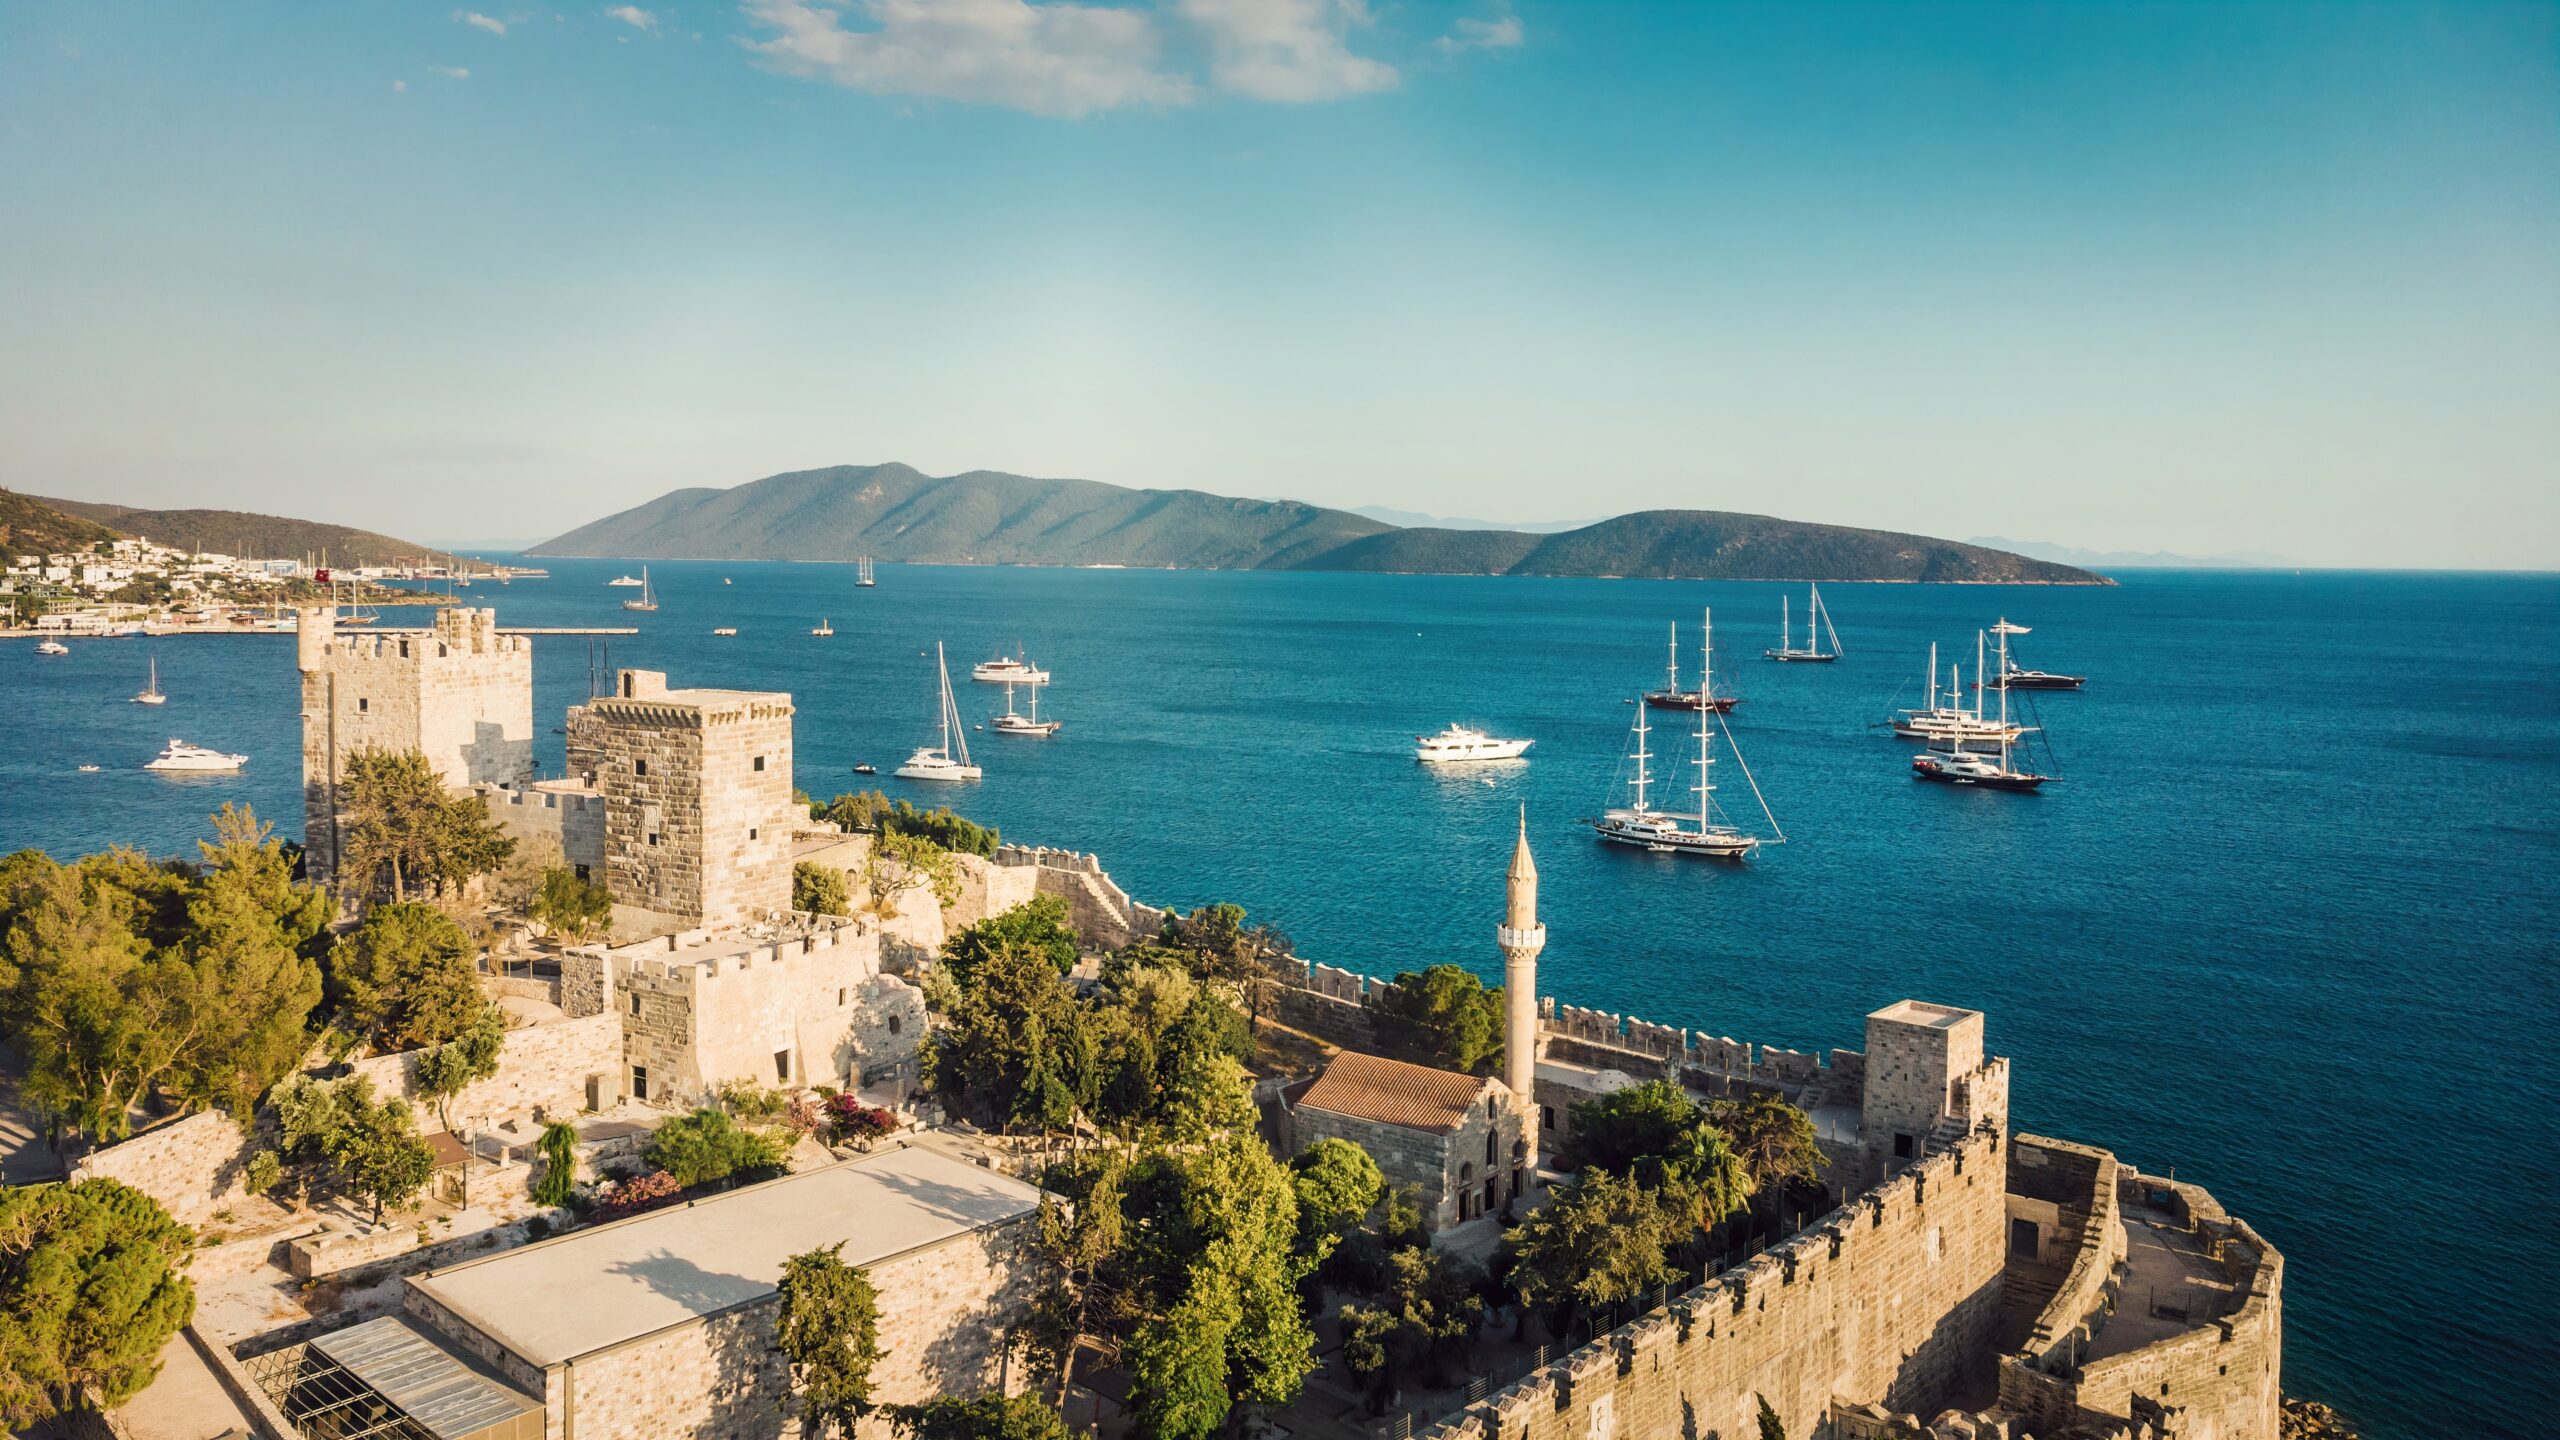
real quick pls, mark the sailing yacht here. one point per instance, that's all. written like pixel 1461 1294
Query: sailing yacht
pixel 824 628
pixel 1951 765
pixel 1817 622
pixel 1462 743
pixel 151 693
pixel 1638 824
pixel 862 573
pixel 1672 697
pixel 1012 722
pixel 648 593
pixel 950 759
pixel 1009 669
pixel 1952 724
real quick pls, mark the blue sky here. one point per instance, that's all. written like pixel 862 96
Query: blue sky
pixel 2208 278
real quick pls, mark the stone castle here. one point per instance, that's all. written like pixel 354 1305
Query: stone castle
pixel 1966 1281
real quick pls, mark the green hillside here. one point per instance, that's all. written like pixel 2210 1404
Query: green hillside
pixel 245 533
pixel 895 512
pixel 29 526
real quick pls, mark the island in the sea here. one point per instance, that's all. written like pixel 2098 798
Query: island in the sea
pixel 896 512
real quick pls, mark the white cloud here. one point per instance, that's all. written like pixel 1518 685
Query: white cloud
pixel 478 21
pixel 633 16
pixel 399 87
pixel 451 72
pixel 1050 59
pixel 1287 50
pixel 1498 34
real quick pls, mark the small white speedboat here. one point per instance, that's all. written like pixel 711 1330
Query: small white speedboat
pixel 624 582
pixel 179 755
pixel 52 647
pixel 1461 743
pixel 88 769
pixel 724 630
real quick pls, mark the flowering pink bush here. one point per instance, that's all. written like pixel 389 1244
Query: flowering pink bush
pixel 850 1122
pixel 644 1192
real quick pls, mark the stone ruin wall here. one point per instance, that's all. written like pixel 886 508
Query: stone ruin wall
pixel 193 1167
pixel 541 1067
pixel 2218 1380
pixel 2068 1192
pixel 1892 1298
pixel 695 1023
pixel 1101 912
pixel 572 820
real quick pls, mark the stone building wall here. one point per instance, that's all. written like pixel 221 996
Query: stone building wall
pixel 944 1312
pixel 541 1067
pixel 698 801
pixel 1916 1054
pixel 567 815
pixel 1447 1171
pixel 193 1167
pixel 1891 1299
pixel 461 692
pixel 817 1005
pixel 2067 1193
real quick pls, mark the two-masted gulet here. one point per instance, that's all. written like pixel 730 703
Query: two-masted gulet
pixel 1672 697
pixel 1953 764
pixel 1817 623
pixel 1703 831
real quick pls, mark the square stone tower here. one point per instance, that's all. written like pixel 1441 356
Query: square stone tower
pixel 1918 1058
pixel 459 691
pixel 697 787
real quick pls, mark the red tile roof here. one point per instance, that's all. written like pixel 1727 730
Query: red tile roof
pixel 1391 1092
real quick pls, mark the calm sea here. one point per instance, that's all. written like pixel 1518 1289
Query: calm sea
pixel 2286 925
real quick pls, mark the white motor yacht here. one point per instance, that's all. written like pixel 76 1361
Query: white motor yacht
pixel 179 755
pixel 950 759
pixel 1462 743
pixel 625 582
pixel 52 647
pixel 1013 669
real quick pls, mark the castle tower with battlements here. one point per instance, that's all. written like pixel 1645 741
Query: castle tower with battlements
pixel 459 691
pixel 1521 938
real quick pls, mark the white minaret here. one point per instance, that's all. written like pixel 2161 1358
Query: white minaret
pixel 1521 938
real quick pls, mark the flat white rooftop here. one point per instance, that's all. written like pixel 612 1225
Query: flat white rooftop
pixel 593 1289
pixel 1921 1012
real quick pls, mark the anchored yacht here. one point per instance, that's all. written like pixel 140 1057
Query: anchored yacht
pixel 1950 764
pixel 1672 697
pixel 626 582
pixel 52 647
pixel 1013 722
pixel 179 755
pixel 1952 724
pixel 1706 833
pixel 1815 614
pixel 950 759
pixel 151 694
pixel 1011 669
pixel 1461 743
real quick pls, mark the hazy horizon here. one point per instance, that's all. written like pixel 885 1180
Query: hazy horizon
pixel 2248 279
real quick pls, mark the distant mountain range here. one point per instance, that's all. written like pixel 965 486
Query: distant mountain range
pixel 895 512
pixel 1415 519
pixel 250 535
pixel 2129 559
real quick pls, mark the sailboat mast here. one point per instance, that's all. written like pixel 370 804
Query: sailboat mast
pixel 1675 659
pixel 1786 627
pixel 1977 672
pixel 1706 709
pixel 1643 779
pixel 942 667
pixel 1933 675
pixel 2004 696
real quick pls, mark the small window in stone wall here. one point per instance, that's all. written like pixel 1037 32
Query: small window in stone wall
pixel 653 837
pixel 840 995
pixel 639 767
pixel 893 1024
pixel 364 704
pixel 582 872
pixel 782 1065
pixel 752 831
pixel 635 1002
pixel 1902 1145
pixel 404 649
pixel 759 762
pixel 639 1082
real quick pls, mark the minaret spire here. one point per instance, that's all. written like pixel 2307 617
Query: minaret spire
pixel 1521 938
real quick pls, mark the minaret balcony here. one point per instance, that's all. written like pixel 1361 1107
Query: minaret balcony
pixel 1533 938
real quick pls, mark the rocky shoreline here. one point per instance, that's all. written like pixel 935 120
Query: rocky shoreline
pixel 2311 1420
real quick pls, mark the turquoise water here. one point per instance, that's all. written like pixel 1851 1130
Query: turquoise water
pixel 2285 925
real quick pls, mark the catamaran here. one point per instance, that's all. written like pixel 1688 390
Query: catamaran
pixel 1951 765
pixel 950 759
pixel 1012 722
pixel 179 755
pixel 151 693
pixel 648 594
pixel 2013 676
pixel 1672 697
pixel 1461 743
pixel 1705 832
pixel 1815 615
pixel 862 573
pixel 1957 727
pixel 1014 669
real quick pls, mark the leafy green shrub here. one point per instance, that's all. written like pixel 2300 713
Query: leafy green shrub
pixel 265 1169
pixel 820 889
pixel 559 1182
pixel 708 1145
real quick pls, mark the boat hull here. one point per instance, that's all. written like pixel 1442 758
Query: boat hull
pixel 2043 682
pixel 1687 700
pixel 938 772
pixel 1925 767
pixel 1473 754
pixel 1030 729
pixel 1800 657
pixel 1668 841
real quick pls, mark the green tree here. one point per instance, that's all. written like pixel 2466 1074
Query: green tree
pixel 1038 926
pixel 1428 1316
pixel 91 1288
pixel 1337 1186
pixel 820 889
pixel 406 978
pixel 467 1059
pixel 1774 1139
pixel 981 1417
pixel 1016 1050
pixel 571 906
pixel 1079 1295
pixel 829 1330
pixel 709 1145
pixel 1444 1016
pixel 405 832
pixel 1604 1240
pixel 900 858
pixel 252 932
pixel 1614 1131
pixel 559 1183
pixel 369 1150
pixel 100 1018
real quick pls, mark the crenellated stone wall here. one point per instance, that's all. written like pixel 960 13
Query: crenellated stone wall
pixel 1102 913
pixel 1890 1299
pixel 807 1008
